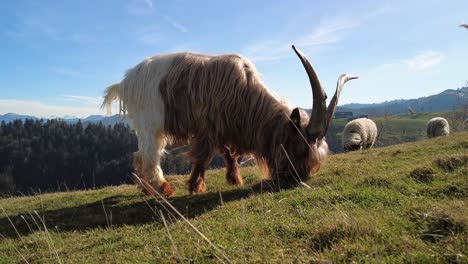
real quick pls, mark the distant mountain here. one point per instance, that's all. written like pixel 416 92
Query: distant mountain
pixel 12 116
pixel 105 120
pixel 447 100
pixel 93 118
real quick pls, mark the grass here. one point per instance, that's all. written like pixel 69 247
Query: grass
pixel 404 203
pixel 398 129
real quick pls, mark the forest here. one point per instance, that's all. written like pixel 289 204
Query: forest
pixel 54 155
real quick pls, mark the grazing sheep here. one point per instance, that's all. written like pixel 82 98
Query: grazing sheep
pixel 219 104
pixel 437 126
pixel 359 134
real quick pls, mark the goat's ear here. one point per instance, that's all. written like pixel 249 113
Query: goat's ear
pixel 296 117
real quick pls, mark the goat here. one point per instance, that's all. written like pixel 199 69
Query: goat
pixel 219 104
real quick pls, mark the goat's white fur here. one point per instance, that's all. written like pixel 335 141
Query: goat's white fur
pixel 140 98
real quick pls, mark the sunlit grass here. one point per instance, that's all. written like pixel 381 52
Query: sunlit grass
pixel 405 203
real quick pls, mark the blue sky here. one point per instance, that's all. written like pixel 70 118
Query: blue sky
pixel 59 56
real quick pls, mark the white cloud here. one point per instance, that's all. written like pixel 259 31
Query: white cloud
pixel 149 34
pixel 424 61
pixel 140 7
pixel 149 3
pixel 37 25
pixel 175 24
pixel 82 38
pixel 28 27
pixel 67 105
pixel 40 109
pixel 64 71
pixel 94 101
pixel 328 32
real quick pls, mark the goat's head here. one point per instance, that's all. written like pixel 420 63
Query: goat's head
pixel 304 148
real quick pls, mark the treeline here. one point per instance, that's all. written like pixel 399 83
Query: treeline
pixel 53 155
pixel 46 155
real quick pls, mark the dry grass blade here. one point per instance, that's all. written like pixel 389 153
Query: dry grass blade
pixel 176 252
pixel 51 245
pixel 298 179
pixel 32 231
pixel 16 249
pixel 221 198
pixel 308 187
pixel 242 163
pixel 14 227
pixel 152 191
pixel 298 130
pixel 137 181
pixel 105 213
pixel 35 222
pixel 338 209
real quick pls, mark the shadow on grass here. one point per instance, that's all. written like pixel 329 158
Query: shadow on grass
pixel 116 211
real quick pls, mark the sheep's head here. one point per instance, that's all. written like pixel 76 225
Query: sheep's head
pixel 353 147
pixel 304 147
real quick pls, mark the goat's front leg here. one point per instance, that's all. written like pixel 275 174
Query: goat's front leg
pixel 146 162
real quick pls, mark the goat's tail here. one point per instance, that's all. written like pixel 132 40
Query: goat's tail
pixel 112 93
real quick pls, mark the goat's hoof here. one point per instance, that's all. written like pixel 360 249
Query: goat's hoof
pixel 166 189
pixel 199 188
pixel 234 181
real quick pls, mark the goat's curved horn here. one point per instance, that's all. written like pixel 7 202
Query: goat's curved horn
pixel 317 125
pixel 334 101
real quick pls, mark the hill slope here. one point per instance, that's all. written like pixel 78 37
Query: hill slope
pixel 400 203
pixel 447 100
pixel 396 129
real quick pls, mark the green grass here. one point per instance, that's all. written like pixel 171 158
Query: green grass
pixel 404 203
pixel 398 129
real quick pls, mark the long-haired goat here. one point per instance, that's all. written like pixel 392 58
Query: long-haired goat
pixel 437 127
pixel 359 134
pixel 220 105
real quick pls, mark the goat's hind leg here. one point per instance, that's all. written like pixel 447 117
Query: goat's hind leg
pixel 201 155
pixel 233 176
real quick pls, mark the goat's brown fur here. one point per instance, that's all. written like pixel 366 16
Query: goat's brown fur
pixel 220 101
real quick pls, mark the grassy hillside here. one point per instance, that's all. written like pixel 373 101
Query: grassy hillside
pixel 396 129
pixel 404 203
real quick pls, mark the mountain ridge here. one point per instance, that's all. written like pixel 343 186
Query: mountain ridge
pixel 448 100
pixel 105 120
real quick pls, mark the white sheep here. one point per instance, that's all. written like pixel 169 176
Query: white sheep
pixel 359 134
pixel 437 126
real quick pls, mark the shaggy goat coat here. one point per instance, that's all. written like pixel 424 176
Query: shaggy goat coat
pixel 213 102
pixel 359 133
pixel 437 126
